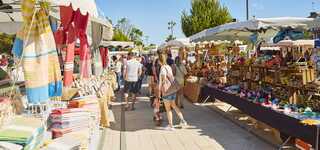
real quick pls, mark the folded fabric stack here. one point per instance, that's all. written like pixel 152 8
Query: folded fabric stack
pixel 92 105
pixel 6 111
pixel 25 131
pixel 63 121
pixel 64 143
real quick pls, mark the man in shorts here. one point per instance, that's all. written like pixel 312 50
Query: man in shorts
pixel 132 72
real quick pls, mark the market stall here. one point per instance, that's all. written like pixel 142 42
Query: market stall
pixel 274 83
pixel 60 108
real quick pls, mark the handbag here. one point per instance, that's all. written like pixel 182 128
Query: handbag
pixel 171 88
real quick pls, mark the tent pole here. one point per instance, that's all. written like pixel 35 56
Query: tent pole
pixel 247 9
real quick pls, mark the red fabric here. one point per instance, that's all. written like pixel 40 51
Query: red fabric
pixel 66 35
pixel 73 26
pixel 81 22
pixel 107 56
pixel 69 64
pixel 103 57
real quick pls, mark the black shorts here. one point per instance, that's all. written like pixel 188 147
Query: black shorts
pixel 130 87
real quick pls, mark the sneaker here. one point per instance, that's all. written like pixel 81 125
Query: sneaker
pixel 169 128
pixel 183 123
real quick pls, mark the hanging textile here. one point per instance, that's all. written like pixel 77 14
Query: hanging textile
pixel 35 44
pixel 81 22
pixel 103 57
pixel 73 27
pixel 66 36
pixel 98 69
pixel 107 56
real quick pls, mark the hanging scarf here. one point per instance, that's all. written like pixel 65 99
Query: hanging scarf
pixel 74 26
pixel 97 63
pixel 66 35
pixel 103 57
pixel 107 56
pixel 39 55
pixel 81 22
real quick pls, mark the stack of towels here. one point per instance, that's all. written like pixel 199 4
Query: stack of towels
pixel 91 104
pixel 67 120
pixel 25 131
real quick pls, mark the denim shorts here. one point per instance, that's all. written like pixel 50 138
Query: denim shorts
pixel 169 98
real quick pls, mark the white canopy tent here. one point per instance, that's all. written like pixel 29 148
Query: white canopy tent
pixel 266 27
pixel 118 44
pixel 182 42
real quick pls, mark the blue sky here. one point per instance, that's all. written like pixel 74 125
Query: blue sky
pixel 152 16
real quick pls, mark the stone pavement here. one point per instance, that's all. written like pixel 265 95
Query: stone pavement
pixel 207 131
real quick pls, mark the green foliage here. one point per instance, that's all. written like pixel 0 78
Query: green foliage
pixel 136 36
pixel 307 35
pixel 170 37
pixel 204 14
pixel 119 36
pixel 6 42
pixel 125 31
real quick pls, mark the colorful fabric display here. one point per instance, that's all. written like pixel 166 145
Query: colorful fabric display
pixel 81 22
pixel 73 27
pixel 64 121
pixel 66 35
pixel 91 104
pixel 25 131
pixel 35 45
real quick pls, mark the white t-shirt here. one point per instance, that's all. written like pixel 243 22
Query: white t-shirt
pixel 133 67
pixel 117 67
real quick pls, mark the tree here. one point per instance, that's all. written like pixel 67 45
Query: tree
pixel 124 26
pixel 119 36
pixel 170 37
pixel 136 36
pixel 204 14
pixel 125 31
pixel 171 26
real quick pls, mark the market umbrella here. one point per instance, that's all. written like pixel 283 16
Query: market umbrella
pixel 183 42
pixel 265 27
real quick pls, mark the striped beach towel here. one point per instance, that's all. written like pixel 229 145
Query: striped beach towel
pixel 39 55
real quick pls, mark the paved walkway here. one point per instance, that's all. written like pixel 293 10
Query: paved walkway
pixel 207 131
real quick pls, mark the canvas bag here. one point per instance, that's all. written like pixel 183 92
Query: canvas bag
pixel 172 87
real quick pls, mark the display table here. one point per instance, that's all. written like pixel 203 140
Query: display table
pixel 283 123
pixel 192 91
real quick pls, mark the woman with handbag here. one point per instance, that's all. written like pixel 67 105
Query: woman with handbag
pixel 168 89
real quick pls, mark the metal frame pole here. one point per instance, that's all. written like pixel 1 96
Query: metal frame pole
pixel 247 9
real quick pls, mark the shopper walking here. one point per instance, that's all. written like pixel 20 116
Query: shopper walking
pixel 141 77
pixel 166 80
pixel 181 72
pixel 117 66
pixel 132 72
pixel 149 75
